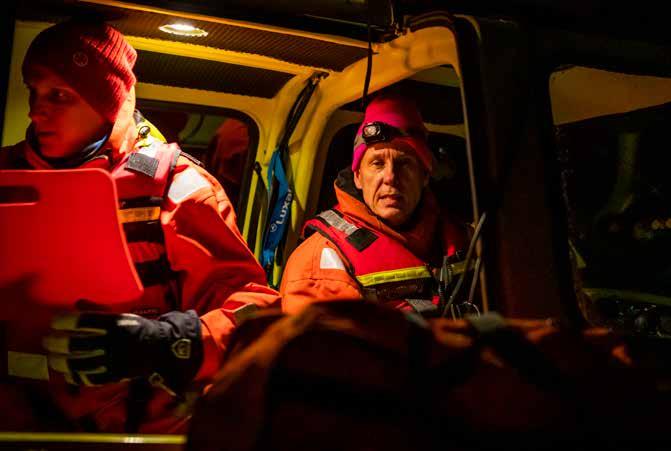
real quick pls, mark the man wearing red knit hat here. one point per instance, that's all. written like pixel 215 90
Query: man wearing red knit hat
pixel 386 232
pixel 111 368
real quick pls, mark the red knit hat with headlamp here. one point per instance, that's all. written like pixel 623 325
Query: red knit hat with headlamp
pixel 399 113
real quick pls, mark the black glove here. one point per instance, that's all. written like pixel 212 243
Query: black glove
pixel 99 348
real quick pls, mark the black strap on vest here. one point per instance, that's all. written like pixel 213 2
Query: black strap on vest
pixel 359 237
pixel 151 273
pixel 424 307
pixel 155 272
pixel 148 231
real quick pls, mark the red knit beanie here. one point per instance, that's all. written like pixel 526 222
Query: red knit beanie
pixel 399 112
pixel 92 57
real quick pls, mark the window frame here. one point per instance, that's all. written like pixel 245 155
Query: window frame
pixel 253 130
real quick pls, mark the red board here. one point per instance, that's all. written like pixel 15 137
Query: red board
pixel 68 241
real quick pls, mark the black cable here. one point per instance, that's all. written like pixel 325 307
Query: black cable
pixel 297 110
pixel 474 282
pixel 467 261
pixel 369 66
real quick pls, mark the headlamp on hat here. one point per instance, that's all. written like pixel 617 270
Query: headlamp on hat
pixel 375 132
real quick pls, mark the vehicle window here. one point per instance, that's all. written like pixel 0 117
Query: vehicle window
pixel 611 132
pixel 338 158
pixel 224 141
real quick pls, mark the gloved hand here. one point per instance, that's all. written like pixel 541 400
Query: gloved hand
pixel 99 348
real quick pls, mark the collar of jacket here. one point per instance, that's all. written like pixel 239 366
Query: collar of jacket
pixel 418 234
pixel 35 161
pixel 93 151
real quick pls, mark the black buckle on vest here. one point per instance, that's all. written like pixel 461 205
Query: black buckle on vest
pixel 424 307
pixel 361 239
pixel 155 272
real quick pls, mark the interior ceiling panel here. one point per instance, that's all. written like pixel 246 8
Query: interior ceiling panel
pixel 300 50
pixel 171 70
pixel 438 104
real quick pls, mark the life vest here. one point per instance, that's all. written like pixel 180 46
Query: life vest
pixel 384 269
pixel 142 178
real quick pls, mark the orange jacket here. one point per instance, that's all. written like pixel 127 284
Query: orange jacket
pixel 216 273
pixel 316 270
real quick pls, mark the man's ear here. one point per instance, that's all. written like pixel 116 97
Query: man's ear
pixel 427 178
pixel 357 179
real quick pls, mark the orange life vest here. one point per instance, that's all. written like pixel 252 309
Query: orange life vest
pixel 142 178
pixel 384 269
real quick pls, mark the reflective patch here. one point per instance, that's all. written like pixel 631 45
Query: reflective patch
pixel 127 322
pixel 149 151
pixel 185 184
pixel 334 220
pixel 139 214
pixel 237 311
pixel 31 366
pixel 330 260
pixel 394 275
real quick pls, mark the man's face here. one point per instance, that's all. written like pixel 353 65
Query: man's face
pixel 62 120
pixel 392 181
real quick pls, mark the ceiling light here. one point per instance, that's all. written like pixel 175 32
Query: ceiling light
pixel 182 29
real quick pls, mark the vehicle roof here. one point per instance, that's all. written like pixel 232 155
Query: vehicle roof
pixel 644 19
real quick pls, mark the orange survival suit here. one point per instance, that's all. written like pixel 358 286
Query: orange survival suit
pixel 183 239
pixel 349 253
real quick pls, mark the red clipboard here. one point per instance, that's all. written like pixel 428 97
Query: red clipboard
pixel 65 237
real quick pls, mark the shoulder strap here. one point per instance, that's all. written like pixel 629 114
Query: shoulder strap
pixel 141 193
pixel 146 172
pixel 143 179
pixel 332 222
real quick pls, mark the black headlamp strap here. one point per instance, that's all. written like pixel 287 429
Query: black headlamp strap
pixel 369 63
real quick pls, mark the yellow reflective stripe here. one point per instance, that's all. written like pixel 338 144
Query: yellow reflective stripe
pixel 31 366
pixel 139 214
pixel 394 275
pixel 60 437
